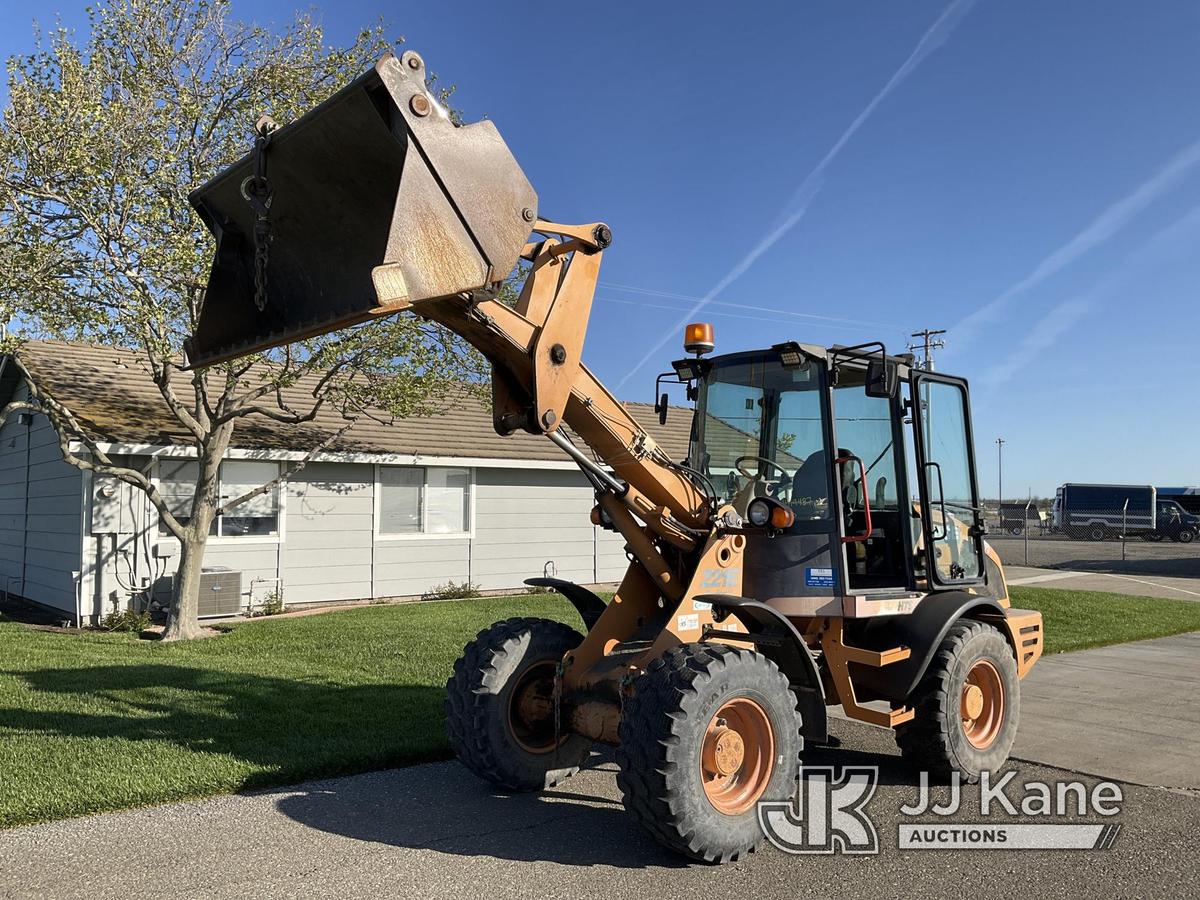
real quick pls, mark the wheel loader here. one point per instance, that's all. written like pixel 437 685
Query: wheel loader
pixel 822 544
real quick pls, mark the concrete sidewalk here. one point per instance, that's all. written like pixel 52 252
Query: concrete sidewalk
pixel 1109 583
pixel 1130 712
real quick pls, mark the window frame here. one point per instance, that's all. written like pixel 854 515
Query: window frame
pixel 377 514
pixel 239 539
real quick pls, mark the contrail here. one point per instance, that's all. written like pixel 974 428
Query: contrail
pixel 1048 330
pixel 934 37
pixel 1177 240
pixel 671 295
pixel 1103 227
pixel 777 319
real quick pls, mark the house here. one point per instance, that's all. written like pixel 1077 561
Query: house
pixel 388 511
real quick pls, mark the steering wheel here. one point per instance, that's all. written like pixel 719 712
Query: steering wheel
pixel 739 464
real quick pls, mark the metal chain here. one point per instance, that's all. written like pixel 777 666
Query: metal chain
pixel 256 190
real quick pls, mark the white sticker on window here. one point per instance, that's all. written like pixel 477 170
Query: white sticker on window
pixel 700 604
pixel 688 623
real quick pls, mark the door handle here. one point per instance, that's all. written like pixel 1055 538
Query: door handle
pixel 933 535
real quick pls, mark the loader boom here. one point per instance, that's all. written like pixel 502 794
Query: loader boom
pixel 539 382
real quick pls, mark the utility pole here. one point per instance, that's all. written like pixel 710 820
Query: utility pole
pixel 927 346
pixel 999 476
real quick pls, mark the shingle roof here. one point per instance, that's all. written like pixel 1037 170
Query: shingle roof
pixel 112 394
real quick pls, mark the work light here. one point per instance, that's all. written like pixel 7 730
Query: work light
pixel 790 354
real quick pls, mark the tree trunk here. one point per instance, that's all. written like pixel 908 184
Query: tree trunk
pixel 182 623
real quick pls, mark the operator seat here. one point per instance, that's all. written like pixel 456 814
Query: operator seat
pixel 810 479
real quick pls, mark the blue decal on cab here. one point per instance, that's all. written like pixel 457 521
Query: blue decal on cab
pixel 818 577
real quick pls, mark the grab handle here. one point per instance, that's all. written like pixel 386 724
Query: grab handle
pixel 859 538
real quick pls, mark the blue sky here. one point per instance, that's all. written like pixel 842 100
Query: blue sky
pixel 1026 175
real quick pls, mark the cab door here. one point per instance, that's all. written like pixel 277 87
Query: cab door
pixel 951 516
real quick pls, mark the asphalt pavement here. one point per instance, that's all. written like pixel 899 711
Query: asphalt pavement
pixel 1105 582
pixel 1138 558
pixel 436 831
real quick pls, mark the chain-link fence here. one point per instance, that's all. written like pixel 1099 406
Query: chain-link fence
pixel 1136 534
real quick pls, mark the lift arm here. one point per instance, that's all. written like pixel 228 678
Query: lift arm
pixel 539 381
pixel 376 202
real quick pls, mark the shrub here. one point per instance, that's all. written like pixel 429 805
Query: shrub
pixel 272 605
pixel 452 590
pixel 133 620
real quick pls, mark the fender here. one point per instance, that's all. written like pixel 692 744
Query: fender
pixel 922 632
pixel 589 605
pixel 779 641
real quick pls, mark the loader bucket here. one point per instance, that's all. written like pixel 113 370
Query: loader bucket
pixel 377 201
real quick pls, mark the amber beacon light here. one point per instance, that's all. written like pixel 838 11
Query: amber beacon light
pixel 698 338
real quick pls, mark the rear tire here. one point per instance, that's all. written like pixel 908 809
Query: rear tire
pixel 710 731
pixel 499 706
pixel 1097 533
pixel 1152 536
pixel 967 705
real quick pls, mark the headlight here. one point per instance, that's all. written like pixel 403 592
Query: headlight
pixel 766 513
pixel 759 512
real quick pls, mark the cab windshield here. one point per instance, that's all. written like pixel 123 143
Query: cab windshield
pixel 758 432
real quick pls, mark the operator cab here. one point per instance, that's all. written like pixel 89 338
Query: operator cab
pixel 830 433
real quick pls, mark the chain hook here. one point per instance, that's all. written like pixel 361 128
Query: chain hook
pixel 256 191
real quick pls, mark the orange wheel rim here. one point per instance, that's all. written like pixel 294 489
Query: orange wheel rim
pixel 737 756
pixel 531 709
pixel 982 704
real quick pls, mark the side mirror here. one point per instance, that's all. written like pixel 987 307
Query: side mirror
pixel 661 408
pixel 882 380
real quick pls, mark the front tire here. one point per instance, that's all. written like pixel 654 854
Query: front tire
pixel 500 706
pixel 967 705
pixel 710 731
pixel 1186 535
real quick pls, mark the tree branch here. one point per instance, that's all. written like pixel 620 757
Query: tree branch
pixel 284 476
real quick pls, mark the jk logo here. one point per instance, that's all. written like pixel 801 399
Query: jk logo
pixel 828 814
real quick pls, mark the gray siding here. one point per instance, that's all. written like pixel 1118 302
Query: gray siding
pixel 525 522
pixel 530 523
pixel 326 552
pixel 39 514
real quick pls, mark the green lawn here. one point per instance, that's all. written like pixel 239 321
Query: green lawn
pixel 104 721
pixel 1075 620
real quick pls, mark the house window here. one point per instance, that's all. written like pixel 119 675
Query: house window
pixel 416 500
pixel 258 516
